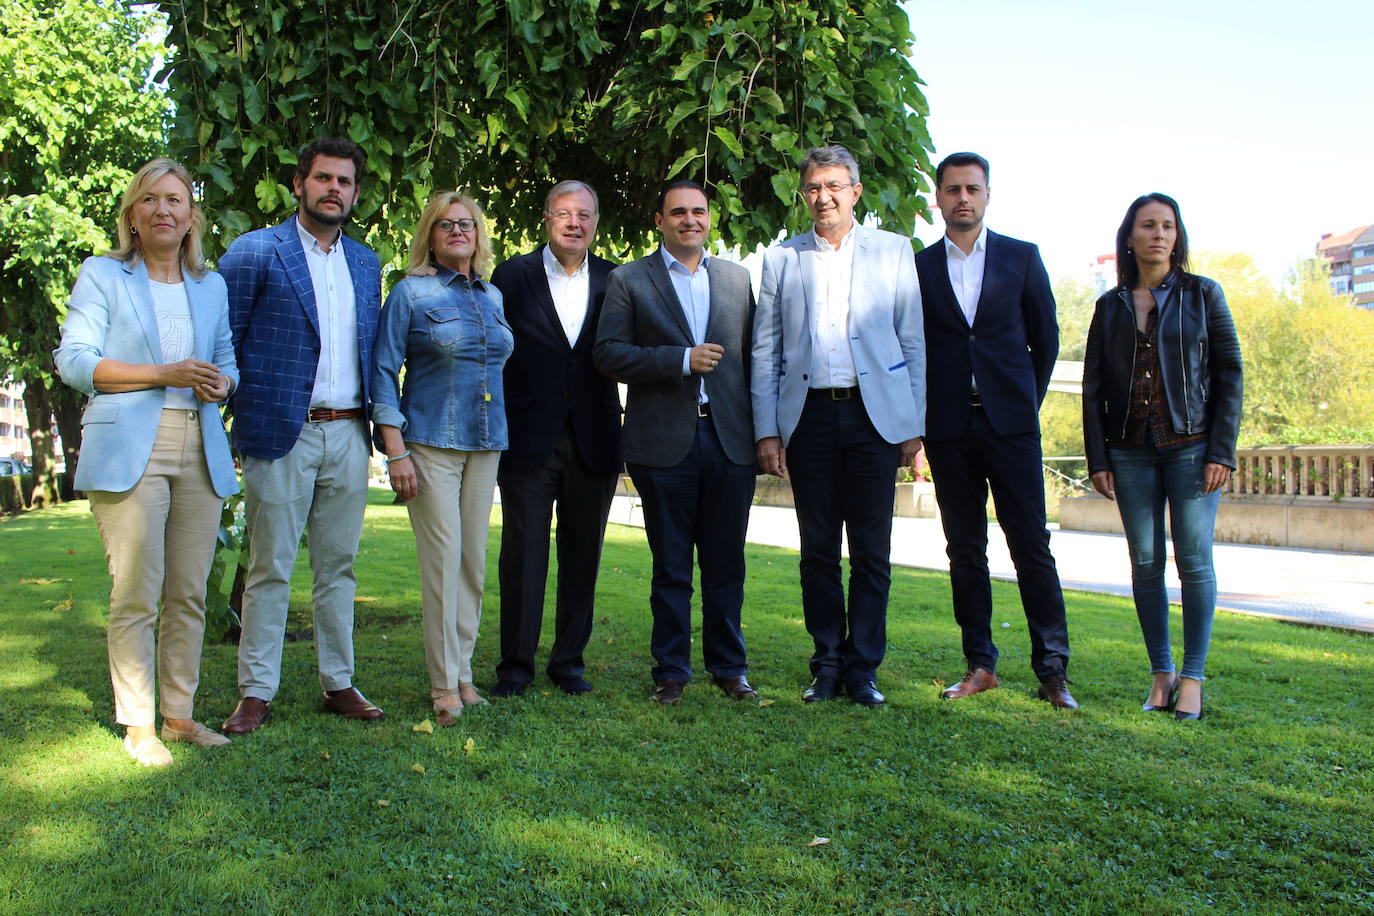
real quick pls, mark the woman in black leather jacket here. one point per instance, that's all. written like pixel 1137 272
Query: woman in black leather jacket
pixel 1161 412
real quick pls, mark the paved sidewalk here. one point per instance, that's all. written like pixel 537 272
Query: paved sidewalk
pixel 1315 587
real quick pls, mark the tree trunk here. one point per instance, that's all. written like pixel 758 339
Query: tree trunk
pixel 38 405
pixel 66 407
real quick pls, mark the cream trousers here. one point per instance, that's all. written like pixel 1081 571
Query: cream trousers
pixel 159 542
pixel 450 515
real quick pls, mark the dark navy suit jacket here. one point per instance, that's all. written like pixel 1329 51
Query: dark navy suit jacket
pixel 1010 349
pixel 550 380
pixel 276 332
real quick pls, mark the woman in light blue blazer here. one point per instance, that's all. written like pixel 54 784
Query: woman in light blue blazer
pixel 147 339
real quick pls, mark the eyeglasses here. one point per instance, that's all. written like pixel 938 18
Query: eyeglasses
pixel 561 216
pixel 834 187
pixel 448 225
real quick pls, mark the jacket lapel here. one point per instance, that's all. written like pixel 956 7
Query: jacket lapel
pixel 204 319
pixel 298 271
pixel 658 275
pixel 539 286
pixel 136 283
pixel 987 294
pixel 945 289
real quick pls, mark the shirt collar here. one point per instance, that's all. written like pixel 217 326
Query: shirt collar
pixel 553 268
pixel 312 244
pixel 446 276
pixel 847 242
pixel 980 244
pixel 669 260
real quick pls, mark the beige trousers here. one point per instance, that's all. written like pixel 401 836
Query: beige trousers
pixel 159 542
pixel 450 515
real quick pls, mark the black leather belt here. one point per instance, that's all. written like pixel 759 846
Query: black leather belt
pixel 703 408
pixel 975 400
pixel 834 394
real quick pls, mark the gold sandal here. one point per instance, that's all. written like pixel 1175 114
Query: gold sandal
pixel 446 713
pixel 470 696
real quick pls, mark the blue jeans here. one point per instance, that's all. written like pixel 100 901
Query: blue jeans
pixel 1146 478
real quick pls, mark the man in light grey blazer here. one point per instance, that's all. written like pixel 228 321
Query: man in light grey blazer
pixel 838 383
pixel 675 328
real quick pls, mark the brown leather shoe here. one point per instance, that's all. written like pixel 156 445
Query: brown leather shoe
pixel 1055 690
pixel 246 717
pixel 351 704
pixel 668 692
pixel 975 680
pixel 737 688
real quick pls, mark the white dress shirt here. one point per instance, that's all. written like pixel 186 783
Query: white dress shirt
pixel 338 377
pixel 570 292
pixel 832 363
pixel 966 273
pixel 693 288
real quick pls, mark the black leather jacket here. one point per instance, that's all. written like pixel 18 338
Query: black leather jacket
pixel 1199 356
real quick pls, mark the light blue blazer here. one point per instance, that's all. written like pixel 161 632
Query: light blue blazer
pixel 110 315
pixel 886 335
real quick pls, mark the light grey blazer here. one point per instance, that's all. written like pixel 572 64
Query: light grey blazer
pixel 110 315
pixel 640 340
pixel 886 335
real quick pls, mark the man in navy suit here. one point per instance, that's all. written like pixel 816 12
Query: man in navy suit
pixel 303 304
pixel 838 385
pixel 564 423
pixel 991 340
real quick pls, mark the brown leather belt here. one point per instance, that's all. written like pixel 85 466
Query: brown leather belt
pixel 325 414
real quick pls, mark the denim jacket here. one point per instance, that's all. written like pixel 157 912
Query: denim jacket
pixel 453 340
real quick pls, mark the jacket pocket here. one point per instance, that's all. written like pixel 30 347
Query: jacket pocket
pixel 100 410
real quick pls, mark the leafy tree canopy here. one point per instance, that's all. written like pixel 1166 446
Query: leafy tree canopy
pixel 505 97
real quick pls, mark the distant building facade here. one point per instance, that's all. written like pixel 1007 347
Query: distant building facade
pixel 1350 256
pixel 14 422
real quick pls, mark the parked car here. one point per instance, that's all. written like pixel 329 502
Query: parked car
pixel 12 466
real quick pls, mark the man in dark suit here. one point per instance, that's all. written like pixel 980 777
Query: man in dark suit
pixel 303 305
pixel 564 422
pixel 991 342
pixel 675 328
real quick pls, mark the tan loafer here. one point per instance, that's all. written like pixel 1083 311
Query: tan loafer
pixel 199 735
pixel 149 752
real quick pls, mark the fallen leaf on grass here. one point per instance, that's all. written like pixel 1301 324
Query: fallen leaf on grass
pixel 936 682
pixel 470 745
pixel 1265 661
pixel 424 728
pixel 324 755
pixel 42 581
pixel 364 598
pixel 382 802
pixel 766 702
pixel 819 841
pixel 1339 769
pixel 63 605
pixel 418 768
pixel 610 640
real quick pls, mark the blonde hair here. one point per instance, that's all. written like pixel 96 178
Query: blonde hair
pixel 130 248
pixel 422 257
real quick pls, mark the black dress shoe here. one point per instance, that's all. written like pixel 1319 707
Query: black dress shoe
pixel 821 689
pixel 865 693
pixel 506 689
pixel 572 684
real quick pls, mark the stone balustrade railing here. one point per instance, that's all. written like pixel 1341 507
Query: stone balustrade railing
pixel 1332 471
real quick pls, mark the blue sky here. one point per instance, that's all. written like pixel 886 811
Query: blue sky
pixel 1257 116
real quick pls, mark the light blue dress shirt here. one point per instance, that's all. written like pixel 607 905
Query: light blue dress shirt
pixel 693 290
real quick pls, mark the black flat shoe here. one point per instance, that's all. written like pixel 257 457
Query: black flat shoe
pixel 1169 704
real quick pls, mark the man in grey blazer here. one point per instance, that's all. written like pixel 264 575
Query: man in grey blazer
pixel 838 385
pixel 675 328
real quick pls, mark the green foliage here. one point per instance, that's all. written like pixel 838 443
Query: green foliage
pixel 608 804
pixel 77 117
pixel 1309 354
pixel 504 97
pixel 1074 302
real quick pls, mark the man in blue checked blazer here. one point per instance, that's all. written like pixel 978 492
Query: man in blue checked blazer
pixel 303 305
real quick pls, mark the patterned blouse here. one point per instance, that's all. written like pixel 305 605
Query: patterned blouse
pixel 1148 421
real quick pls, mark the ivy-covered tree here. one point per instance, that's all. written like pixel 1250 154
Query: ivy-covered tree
pixel 77 118
pixel 505 97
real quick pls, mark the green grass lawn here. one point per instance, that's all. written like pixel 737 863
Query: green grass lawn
pixel 610 804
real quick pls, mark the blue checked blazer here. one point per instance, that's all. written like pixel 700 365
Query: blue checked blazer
pixel 276 333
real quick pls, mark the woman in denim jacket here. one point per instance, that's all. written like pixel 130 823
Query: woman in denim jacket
pixel 444 432
pixel 1162 385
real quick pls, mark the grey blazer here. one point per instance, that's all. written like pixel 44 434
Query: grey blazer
pixel 640 341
